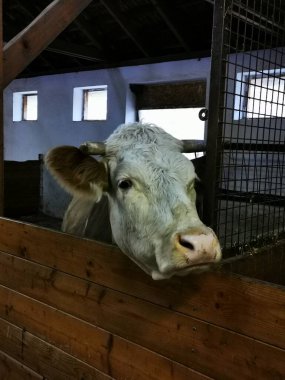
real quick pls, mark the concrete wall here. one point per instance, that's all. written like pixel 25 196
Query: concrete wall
pixel 25 140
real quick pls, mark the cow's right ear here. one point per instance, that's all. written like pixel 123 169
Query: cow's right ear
pixel 76 172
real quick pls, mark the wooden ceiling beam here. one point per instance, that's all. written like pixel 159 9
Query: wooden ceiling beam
pixel 31 41
pixel 118 16
pixel 165 15
pixel 75 51
pixel 88 32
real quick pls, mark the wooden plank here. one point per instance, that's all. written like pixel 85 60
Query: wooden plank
pixel 44 359
pixel 11 369
pixel 100 349
pixel 266 265
pixel 30 42
pixel 239 304
pixel 176 336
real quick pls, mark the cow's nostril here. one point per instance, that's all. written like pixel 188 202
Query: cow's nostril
pixel 185 243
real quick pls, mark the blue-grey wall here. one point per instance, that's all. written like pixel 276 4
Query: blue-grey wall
pixel 25 140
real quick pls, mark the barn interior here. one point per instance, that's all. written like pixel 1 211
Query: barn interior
pixel 117 33
pixel 153 55
pixel 133 43
pixel 75 308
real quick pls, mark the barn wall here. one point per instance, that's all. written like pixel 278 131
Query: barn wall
pixel 26 140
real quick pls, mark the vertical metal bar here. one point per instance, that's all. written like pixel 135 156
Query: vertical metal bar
pixel 215 112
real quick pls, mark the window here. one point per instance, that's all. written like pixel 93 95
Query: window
pixel 90 103
pixel 266 97
pixel 182 123
pixel 25 106
pixel 30 107
pixel 260 94
pixel 174 107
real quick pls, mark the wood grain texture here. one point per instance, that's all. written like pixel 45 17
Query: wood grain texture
pixel 29 43
pixel 11 369
pixel 243 305
pixel 43 358
pixel 183 339
pixel 108 353
pixel 266 264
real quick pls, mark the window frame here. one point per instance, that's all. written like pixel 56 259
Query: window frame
pixel 25 104
pixel 80 99
pixel 241 92
pixel 174 96
pixel 20 102
pixel 251 114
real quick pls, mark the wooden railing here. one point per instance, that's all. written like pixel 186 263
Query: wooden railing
pixel 71 306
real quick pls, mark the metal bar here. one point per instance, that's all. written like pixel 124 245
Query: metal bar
pixel 254 147
pixel 259 16
pixel 194 146
pixel 242 196
pixel 252 22
pixel 215 116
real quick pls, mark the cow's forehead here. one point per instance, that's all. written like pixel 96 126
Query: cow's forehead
pixel 148 152
pixel 140 136
pixel 152 166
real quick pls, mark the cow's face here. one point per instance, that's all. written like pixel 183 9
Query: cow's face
pixel 152 202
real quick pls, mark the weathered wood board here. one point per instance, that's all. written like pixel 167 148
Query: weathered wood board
pixel 73 308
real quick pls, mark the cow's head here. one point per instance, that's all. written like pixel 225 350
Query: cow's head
pixel 150 186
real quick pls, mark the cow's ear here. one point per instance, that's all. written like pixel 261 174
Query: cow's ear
pixel 76 172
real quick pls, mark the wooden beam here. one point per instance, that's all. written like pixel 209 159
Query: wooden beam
pixel 31 41
pixel 165 15
pixel 10 368
pixel 75 51
pixel 115 12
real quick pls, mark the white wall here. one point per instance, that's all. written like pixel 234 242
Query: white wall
pixel 25 140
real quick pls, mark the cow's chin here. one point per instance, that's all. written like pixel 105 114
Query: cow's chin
pixel 193 269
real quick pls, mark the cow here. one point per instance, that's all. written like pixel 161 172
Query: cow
pixel 147 186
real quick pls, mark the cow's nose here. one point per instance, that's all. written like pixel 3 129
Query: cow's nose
pixel 198 245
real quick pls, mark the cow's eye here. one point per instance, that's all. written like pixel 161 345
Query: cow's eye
pixel 125 184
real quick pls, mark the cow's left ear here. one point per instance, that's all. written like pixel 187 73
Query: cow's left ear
pixel 76 172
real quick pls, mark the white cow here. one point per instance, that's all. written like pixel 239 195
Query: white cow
pixel 149 185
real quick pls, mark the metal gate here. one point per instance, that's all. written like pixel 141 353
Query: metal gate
pixel 245 188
